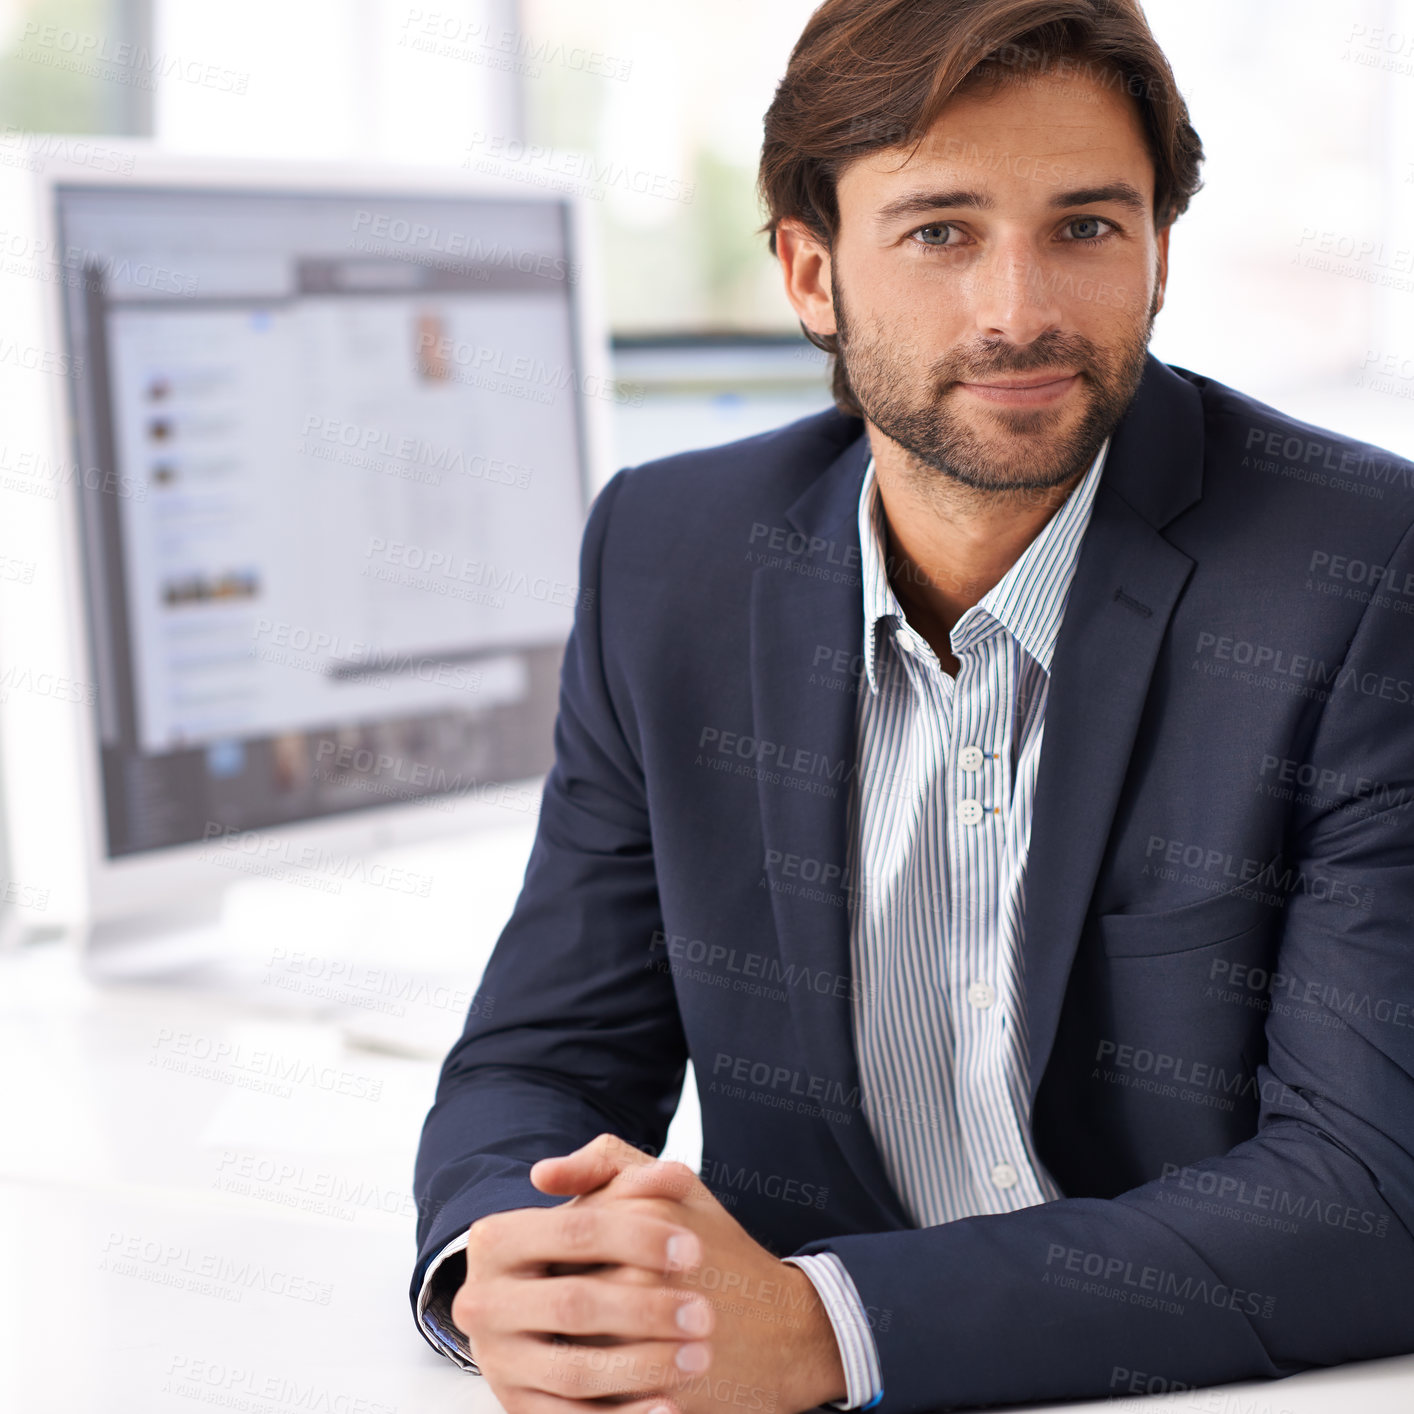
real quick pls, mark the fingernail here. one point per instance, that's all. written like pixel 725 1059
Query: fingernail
pixel 682 1250
pixel 694 1317
pixel 692 1359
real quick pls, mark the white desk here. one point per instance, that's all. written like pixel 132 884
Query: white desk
pixel 176 1234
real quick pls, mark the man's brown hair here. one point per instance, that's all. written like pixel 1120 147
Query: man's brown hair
pixel 873 74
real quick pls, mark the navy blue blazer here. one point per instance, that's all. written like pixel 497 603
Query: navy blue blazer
pixel 1219 977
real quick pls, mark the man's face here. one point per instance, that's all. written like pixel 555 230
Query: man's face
pixel 995 293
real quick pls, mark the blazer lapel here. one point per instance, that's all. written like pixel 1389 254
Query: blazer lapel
pixel 1127 582
pixel 808 605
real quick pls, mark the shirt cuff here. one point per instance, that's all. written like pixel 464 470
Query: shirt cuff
pixel 434 1313
pixel 864 1385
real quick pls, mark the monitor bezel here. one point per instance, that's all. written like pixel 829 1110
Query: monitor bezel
pixel 184 878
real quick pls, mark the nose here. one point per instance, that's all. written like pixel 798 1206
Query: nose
pixel 1013 296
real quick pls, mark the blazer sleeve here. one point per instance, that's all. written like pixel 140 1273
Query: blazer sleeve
pixel 576 1035
pixel 1073 1298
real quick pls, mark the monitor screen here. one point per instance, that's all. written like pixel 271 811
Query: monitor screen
pixel 330 562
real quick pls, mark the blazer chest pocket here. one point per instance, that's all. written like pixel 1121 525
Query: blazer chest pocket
pixel 1192 926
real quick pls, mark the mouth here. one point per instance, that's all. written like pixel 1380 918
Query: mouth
pixel 1034 390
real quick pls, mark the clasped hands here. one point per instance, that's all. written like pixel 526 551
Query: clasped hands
pixel 643 1293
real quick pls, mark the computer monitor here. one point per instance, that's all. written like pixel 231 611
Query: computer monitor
pixel 320 442
pixel 703 389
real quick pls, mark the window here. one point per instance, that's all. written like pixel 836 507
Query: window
pixel 76 66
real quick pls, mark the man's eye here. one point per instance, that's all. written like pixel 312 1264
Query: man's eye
pixel 936 235
pixel 1087 228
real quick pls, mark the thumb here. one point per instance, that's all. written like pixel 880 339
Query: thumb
pixel 587 1168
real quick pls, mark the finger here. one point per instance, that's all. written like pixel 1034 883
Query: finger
pixel 526 1240
pixel 633 1368
pixel 534 1401
pixel 621 1275
pixel 588 1167
pixel 661 1178
pixel 657 1183
pixel 590 1306
pixel 611 1271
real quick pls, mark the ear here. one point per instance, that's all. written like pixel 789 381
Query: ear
pixel 1163 242
pixel 806 266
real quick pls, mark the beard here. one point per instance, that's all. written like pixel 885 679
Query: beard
pixel 1023 450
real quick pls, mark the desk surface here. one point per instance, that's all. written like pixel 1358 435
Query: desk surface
pixel 202 1205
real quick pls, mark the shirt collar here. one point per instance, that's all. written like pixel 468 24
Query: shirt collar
pixel 1028 601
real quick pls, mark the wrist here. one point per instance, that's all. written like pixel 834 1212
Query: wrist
pixel 813 1369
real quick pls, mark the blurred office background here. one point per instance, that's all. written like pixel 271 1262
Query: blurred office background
pixel 1292 279
pixel 1291 274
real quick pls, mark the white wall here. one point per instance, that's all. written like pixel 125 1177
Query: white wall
pixel 1306 110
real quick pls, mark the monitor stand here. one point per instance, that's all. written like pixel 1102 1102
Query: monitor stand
pixel 188 949
pixel 155 947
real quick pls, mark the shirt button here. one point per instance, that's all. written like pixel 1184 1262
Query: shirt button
pixel 1004 1176
pixel 971 758
pixel 905 642
pixel 981 995
pixel 970 812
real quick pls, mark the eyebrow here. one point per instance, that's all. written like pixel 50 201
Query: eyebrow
pixel 1120 193
pixel 917 203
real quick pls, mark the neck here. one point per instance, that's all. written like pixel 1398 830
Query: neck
pixel 947 543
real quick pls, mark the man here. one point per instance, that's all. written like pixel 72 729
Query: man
pixel 1027 1071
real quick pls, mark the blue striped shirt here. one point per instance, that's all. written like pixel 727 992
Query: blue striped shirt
pixel 940 822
